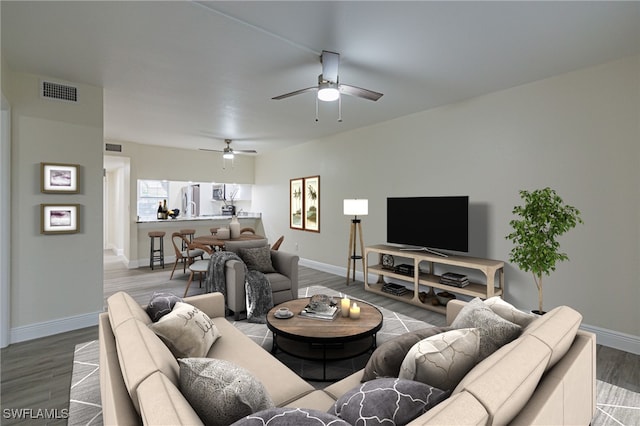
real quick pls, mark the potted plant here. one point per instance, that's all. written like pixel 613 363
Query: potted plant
pixel 542 219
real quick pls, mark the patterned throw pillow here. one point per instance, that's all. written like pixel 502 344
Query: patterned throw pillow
pixel 507 311
pixel 291 417
pixel 444 359
pixel 388 401
pixel 220 391
pixel 187 331
pixel 495 332
pixel 161 304
pixel 257 259
pixel 387 358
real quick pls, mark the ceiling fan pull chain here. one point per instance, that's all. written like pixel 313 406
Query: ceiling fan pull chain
pixel 340 109
pixel 316 108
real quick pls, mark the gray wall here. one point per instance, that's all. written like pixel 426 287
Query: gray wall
pixel 56 280
pixel 578 133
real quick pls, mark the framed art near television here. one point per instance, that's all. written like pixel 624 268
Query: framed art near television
pixel 296 203
pixel 59 178
pixel 59 218
pixel 312 203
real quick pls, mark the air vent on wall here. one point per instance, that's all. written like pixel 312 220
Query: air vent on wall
pixel 58 91
pixel 113 147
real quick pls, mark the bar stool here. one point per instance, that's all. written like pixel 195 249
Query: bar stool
pixel 156 254
pixel 213 230
pixel 188 234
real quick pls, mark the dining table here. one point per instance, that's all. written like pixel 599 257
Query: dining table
pixel 217 243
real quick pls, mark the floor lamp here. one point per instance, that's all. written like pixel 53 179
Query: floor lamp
pixel 355 208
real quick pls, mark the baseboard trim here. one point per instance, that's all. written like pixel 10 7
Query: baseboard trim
pixel 49 328
pixel 614 339
pixel 605 337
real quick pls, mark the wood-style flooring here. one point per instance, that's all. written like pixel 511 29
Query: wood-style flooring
pixel 37 374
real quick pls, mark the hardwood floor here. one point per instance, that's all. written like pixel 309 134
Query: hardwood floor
pixel 37 374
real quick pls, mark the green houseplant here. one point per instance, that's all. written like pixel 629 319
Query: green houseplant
pixel 541 220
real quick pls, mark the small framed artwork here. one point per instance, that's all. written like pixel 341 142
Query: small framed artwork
pixel 59 218
pixel 59 178
pixel 312 203
pixel 296 203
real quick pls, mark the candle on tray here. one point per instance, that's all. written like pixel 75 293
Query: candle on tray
pixel 345 304
pixel 354 312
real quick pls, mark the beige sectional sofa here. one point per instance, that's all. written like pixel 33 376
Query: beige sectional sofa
pixel 546 376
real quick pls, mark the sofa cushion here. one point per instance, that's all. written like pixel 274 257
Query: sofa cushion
pixel 283 385
pixel 235 246
pixel 187 331
pixel 444 359
pixel 504 381
pixel 161 304
pixel 387 401
pixel 141 353
pixel 506 310
pixel 220 391
pixel 291 416
pixel 123 307
pixel 557 329
pixel 257 259
pixel 494 331
pixel 387 358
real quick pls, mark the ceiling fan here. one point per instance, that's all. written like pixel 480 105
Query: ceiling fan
pixel 229 152
pixel 329 87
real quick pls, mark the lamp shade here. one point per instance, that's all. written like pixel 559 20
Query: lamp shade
pixel 356 207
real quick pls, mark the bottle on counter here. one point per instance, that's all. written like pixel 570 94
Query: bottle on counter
pixel 165 211
pixel 160 211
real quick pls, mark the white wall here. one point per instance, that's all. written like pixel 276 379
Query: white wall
pixel 56 280
pixel 577 133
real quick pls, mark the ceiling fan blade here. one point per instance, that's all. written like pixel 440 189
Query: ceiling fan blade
pixel 207 149
pixel 330 62
pixel 297 92
pixel 245 151
pixel 359 92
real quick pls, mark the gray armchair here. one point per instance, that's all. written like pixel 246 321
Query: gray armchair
pixel 284 282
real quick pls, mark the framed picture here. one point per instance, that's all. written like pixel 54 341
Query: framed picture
pixel 59 218
pixel 312 203
pixel 59 178
pixel 296 203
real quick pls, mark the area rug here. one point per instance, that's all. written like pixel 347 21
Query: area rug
pixel 615 406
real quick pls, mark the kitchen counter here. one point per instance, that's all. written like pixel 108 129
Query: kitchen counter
pixel 200 218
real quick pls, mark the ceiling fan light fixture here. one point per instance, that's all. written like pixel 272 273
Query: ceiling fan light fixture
pixel 328 91
pixel 228 155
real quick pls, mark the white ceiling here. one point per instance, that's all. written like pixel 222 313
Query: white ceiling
pixel 190 74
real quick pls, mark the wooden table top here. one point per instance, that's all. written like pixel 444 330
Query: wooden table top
pixel 338 330
pixel 212 240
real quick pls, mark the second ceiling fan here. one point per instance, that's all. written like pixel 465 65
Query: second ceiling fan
pixel 229 152
pixel 329 87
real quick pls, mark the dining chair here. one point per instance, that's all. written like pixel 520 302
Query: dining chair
pixel 185 256
pixel 276 245
pixel 200 267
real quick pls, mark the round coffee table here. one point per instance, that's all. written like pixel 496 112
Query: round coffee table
pixel 321 340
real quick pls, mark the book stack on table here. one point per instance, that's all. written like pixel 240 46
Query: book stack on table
pixel 453 279
pixel 328 313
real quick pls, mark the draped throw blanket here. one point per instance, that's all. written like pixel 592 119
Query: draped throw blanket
pixel 257 286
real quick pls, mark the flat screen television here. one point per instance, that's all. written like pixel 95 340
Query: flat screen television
pixel 429 222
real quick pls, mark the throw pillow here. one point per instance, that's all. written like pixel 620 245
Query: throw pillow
pixel 187 331
pixel 442 360
pixel 291 416
pixel 161 304
pixel 257 259
pixel 220 391
pixel 494 331
pixel 388 401
pixel 387 358
pixel 509 312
